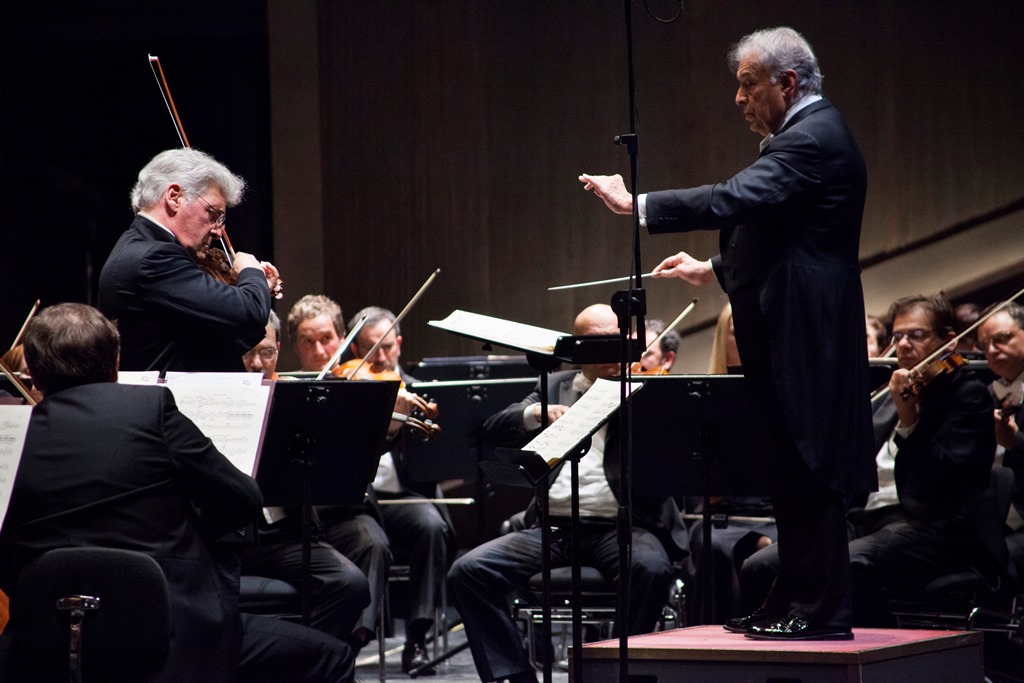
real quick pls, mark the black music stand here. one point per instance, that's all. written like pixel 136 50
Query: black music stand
pixel 321 447
pixel 560 348
pixel 690 436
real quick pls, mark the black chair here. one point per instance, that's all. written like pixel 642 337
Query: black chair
pixel 966 598
pixel 111 604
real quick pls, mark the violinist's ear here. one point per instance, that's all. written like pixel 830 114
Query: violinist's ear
pixel 174 196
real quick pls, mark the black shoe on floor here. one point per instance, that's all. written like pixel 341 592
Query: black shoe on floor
pixel 413 657
pixel 796 628
pixel 742 624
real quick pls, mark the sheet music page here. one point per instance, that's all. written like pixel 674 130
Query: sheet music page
pixel 13 427
pixel 238 379
pixel 232 415
pixel 138 376
pixel 581 420
pixel 503 332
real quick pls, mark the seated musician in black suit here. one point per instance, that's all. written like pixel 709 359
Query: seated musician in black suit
pixel 1001 339
pixel 934 455
pixel 479 581
pixel 117 466
pixel 419 532
pixel 339 590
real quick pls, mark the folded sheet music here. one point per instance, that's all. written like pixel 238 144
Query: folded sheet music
pixel 582 419
pixel 502 332
pixel 13 427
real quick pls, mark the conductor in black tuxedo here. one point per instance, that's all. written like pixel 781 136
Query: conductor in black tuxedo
pixel 480 580
pixel 789 231
pixel 171 312
pixel 118 466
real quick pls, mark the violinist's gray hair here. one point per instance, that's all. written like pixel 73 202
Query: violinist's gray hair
pixel 780 49
pixel 374 314
pixel 193 170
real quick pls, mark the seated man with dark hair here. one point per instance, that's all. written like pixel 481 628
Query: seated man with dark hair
pixel 116 466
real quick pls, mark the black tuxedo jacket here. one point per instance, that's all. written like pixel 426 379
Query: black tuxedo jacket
pixel 171 314
pixel 789 233
pixel 948 456
pixel 119 466
pixel 660 516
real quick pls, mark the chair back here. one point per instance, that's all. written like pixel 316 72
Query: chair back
pixel 113 602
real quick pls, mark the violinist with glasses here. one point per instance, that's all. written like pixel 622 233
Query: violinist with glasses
pixel 934 448
pixel 174 311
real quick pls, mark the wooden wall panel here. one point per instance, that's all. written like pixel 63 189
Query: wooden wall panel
pixel 452 134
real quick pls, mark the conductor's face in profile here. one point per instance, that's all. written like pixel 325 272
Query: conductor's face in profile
pixel 764 103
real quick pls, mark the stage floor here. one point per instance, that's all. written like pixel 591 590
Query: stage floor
pixel 708 653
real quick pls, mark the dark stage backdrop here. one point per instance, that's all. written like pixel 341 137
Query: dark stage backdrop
pixel 82 114
pixel 399 137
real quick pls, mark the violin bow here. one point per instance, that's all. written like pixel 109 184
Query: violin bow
pixel 398 319
pixel 21 332
pixel 165 92
pixel 341 348
pixel 669 328
pixel 16 381
pixel 939 351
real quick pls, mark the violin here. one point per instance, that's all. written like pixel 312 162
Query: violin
pixel 425 411
pixel 638 369
pixel 217 265
pixel 922 375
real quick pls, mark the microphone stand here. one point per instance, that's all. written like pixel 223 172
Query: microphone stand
pixel 627 304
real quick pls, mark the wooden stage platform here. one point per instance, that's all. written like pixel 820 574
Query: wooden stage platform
pixel 710 654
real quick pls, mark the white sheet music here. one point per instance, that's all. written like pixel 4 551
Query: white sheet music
pixel 13 427
pixel 504 332
pixel 581 420
pixel 138 376
pixel 238 379
pixel 231 414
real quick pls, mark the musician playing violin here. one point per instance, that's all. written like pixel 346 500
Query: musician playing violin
pixel 171 313
pixel 421 533
pixel 935 450
pixel 1001 339
pixel 659 358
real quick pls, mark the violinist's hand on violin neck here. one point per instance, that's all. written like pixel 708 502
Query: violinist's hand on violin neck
pixel 274 281
pixel 685 267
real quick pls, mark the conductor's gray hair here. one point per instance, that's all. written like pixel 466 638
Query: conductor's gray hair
pixel 779 50
pixel 193 170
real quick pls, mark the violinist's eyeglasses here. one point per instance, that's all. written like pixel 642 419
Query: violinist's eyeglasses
pixel 267 353
pixel 915 336
pixel 997 339
pixel 219 217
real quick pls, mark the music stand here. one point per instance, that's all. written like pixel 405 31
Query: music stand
pixel 707 453
pixel 545 350
pixel 321 447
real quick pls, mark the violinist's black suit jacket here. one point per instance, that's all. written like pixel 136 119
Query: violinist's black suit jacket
pixel 119 466
pixel 171 314
pixel 789 233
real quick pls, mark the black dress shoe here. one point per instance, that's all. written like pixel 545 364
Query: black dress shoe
pixel 742 624
pixel 796 628
pixel 413 657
